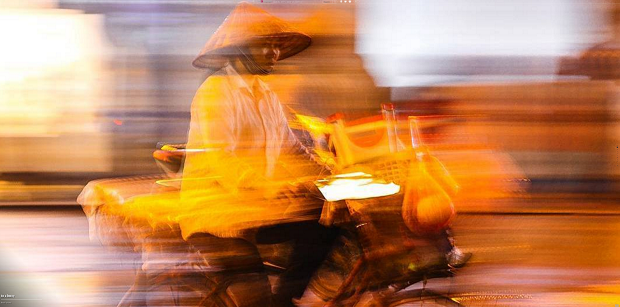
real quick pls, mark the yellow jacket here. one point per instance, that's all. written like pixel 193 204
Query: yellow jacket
pixel 239 148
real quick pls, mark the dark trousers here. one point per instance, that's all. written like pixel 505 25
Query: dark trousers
pixel 311 242
pixel 238 261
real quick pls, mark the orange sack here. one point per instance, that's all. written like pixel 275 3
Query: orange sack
pixel 427 206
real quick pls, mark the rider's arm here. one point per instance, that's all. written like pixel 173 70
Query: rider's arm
pixel 298 160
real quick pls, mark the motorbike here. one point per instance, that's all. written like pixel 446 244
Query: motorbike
pixel 378 260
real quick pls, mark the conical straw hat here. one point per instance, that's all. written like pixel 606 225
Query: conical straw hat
pixel 245 23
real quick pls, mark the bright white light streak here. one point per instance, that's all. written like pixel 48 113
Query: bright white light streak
pixel 356 185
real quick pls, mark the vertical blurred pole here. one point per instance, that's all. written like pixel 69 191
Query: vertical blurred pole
pixel 389 116
pixel 416 139
pixel 414 130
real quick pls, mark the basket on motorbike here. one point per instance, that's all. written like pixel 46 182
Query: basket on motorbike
pixel 378 248
pixel 388 250
pixel 373 146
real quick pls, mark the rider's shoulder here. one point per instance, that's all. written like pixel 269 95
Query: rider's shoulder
pixel 214 84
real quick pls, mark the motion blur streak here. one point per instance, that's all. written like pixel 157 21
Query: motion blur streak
pixel 519 100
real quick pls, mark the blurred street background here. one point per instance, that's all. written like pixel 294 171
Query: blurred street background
pixel 531 88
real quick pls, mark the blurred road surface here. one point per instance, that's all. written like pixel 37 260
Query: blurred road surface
pixel 520 259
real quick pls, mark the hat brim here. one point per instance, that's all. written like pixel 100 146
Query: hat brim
pixel 289 43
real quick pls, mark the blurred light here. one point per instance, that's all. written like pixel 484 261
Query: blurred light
pixel 451 41
pixel 43 52
pixel 356 185
pixel 37 43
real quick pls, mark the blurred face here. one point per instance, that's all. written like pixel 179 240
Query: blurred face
pixel 265 53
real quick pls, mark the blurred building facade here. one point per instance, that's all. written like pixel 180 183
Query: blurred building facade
pixel 540 87
pixel 128 83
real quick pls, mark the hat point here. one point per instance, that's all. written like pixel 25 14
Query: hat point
pixel 247 22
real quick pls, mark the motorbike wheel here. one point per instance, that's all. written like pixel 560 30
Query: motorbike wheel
pixel 421 298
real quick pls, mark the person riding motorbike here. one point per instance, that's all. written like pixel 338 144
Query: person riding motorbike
pixel 240 145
